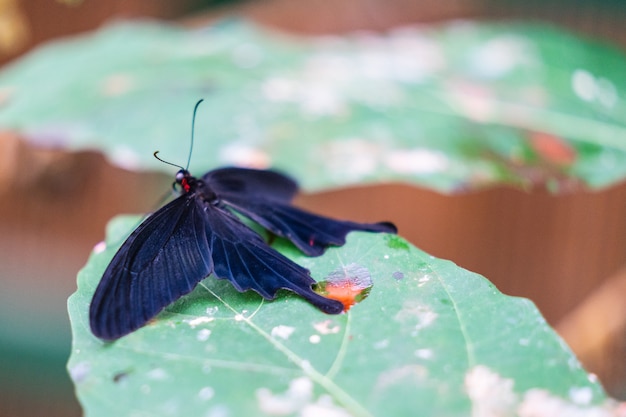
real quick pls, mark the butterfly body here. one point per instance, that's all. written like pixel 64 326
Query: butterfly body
pixel 198 234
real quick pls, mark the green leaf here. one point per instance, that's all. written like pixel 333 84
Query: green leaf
pixel 454 106
pixel 431 339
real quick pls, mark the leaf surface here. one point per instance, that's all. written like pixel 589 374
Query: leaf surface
pixel 430 336
pixel 454 106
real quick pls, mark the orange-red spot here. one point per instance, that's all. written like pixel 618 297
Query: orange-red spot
pixel 348 285
pixel 346 293
pixel 552 148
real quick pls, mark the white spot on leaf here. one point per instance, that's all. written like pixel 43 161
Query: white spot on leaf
pixel 198 321
pixel 282 331
pixel 203 335
pixel 583 84
pixel 80 371
pixel 326 327
pixel 298 394
pixel 320 100
pixel 423 280
pixel 100 247
pixel 477 102
pixel 206 393
pixel 499 56
pixel 403 376
pixel 306 365
pixel 416 56
pixel 279 89
pixel 590 88
pixel 417 161
pixel 581 395
pixel 313 97
pixel 158 374
pixel 244 155
pixel 424 353
pixel 381 344
pixel 606 93
pixel 125 157
pixel 298 399
pixel 541 403
pixel 219 410
pixel 491 394
pixel 324 407
pixel 315 338
pixel 413 312
pixel 351 158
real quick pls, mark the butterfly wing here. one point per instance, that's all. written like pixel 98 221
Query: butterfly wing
pixel 163 259
pixel 177 247
pixel 311 233
pixel 263 196
pixel 253 183
pixel 241 256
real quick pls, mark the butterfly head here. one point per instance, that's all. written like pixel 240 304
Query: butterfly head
pixel 185 180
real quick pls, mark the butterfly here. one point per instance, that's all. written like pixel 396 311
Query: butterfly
pixel 199 234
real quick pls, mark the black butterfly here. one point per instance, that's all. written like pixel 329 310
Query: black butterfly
pixel 198 234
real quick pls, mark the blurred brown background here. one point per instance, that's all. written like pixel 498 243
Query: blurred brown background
pixel 567 253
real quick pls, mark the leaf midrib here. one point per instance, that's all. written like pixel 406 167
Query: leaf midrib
pixel 334 390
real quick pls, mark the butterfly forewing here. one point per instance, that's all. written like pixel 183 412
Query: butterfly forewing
pixel 163 259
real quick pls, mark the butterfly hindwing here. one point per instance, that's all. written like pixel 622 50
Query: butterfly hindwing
pixel 311 233
pixel 241 256
pixel 263 196
pixel 254 183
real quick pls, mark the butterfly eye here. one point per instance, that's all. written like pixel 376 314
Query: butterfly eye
pixel 180 175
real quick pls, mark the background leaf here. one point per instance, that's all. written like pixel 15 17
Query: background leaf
pixel 431 337
pixel 452 106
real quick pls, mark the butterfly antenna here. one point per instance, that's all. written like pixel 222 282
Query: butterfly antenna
pixel 193 123
pixel 166 162
pixel 193 128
